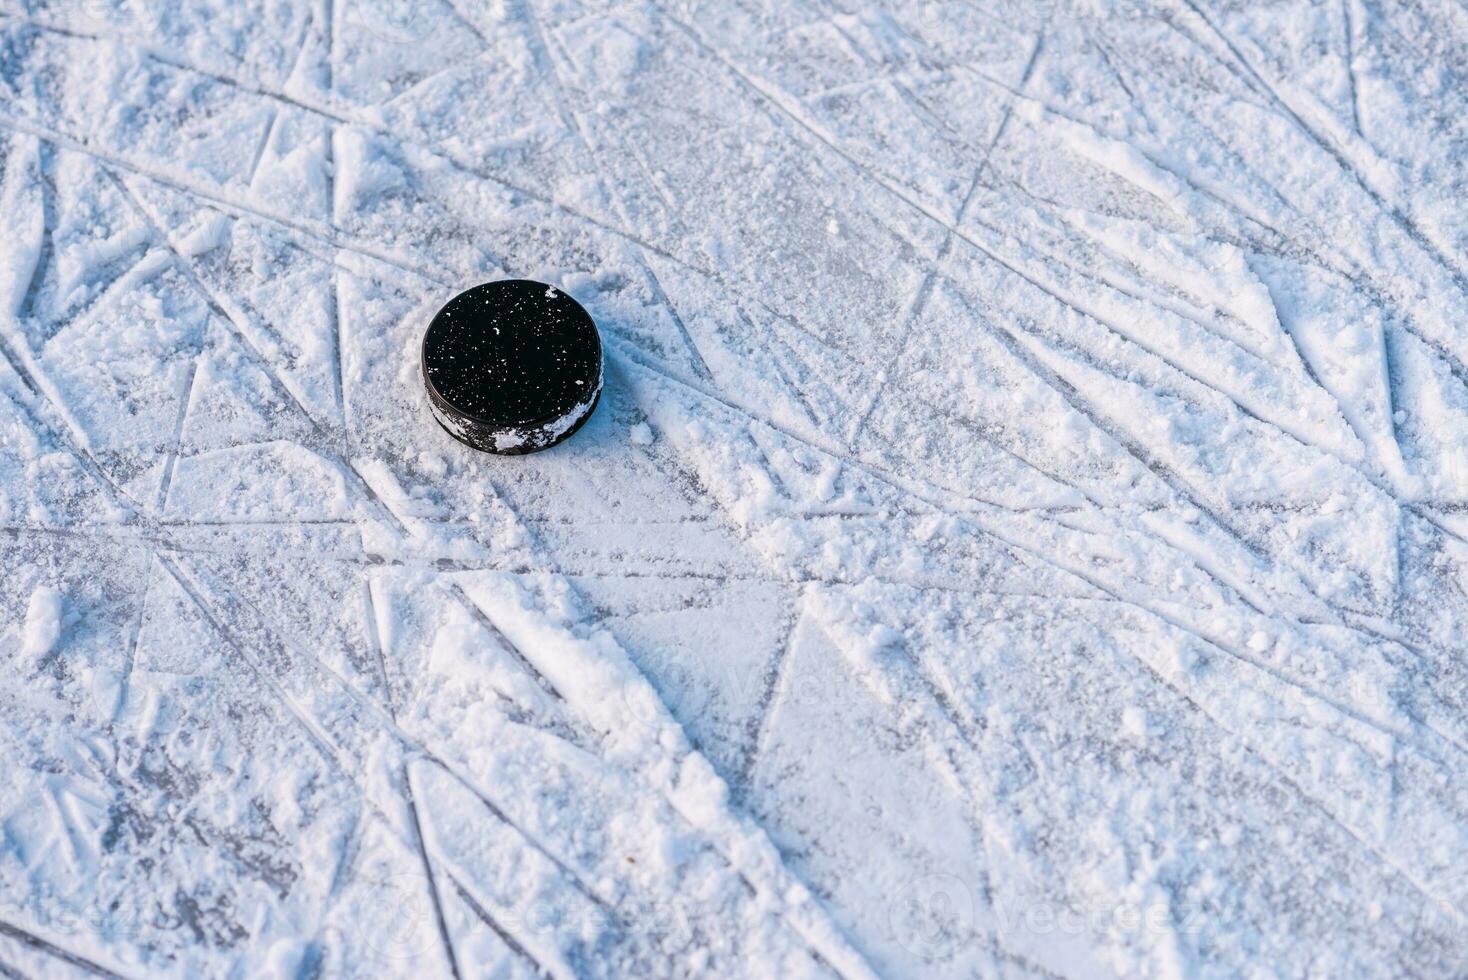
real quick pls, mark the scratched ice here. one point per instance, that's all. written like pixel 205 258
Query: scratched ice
pixel 1024 533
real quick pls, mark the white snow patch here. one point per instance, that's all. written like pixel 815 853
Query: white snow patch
pixel 640 434
pixel 42 629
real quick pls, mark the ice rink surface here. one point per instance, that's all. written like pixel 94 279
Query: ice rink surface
pixel 1024 533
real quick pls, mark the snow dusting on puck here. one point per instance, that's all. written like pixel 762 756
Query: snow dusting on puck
pixel 512 367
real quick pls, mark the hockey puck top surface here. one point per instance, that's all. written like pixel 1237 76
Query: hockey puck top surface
pixel 512 366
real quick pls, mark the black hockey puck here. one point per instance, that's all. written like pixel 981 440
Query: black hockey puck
pixel 512 367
